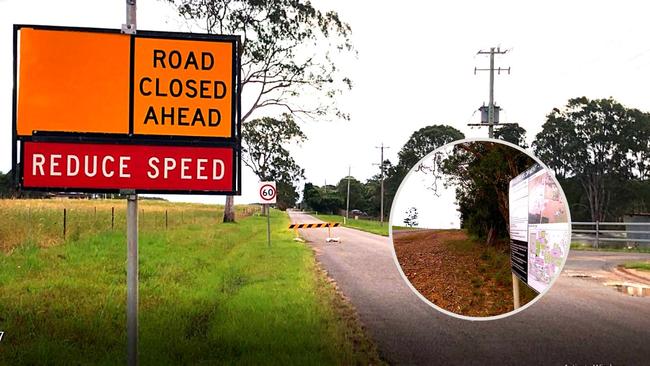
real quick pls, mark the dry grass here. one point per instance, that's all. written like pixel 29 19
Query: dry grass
pixel 40 222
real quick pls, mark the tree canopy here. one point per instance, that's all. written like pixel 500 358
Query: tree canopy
pixel 481 172
pixel 264 141
pixel 287 55
pixel 287 51
pixel 513 133
pixel 424 141
pixel 600 143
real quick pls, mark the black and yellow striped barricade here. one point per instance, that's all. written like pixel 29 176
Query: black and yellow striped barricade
pixel 328 225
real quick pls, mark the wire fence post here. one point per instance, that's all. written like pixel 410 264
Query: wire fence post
pixel 112 218
pixel 65 219
pixel 597 244
pixel 166 220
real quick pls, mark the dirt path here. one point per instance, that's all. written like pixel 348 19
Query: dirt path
pixel 447 268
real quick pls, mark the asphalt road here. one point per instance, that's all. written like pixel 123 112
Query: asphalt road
pixel 578 322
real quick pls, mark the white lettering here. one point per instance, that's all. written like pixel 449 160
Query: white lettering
pixel 199 168
pixel 37 162
pixel 86 165
pixel 170 164
pixel 107 158
pixel 70 171
pixel 216 162
pixel 53 164
pixel 123 166
pixel 154 167
pixel 185 168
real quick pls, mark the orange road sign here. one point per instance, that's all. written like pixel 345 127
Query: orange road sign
pixel 72 82
pixel 99 81
pixel 183 87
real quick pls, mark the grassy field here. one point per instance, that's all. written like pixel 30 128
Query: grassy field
pixel 642 266
pixel 210 293
pixel 370 226
pixel 583 246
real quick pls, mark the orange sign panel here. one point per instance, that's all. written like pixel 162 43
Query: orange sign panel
pixel 148 84
pixel 183 87
pixel 72 81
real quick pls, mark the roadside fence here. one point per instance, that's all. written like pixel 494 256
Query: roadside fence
pixel 613 234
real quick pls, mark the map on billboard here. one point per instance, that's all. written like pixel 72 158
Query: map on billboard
pixel 540 233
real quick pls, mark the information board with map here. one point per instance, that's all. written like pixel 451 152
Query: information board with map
pixel 540 233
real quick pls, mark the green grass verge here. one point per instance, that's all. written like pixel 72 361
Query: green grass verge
pixel 642 266
pixel 210 293
pixel 589 247
pixel 370 226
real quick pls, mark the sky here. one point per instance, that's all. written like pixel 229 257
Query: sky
pixel 415 67
pixel 436 205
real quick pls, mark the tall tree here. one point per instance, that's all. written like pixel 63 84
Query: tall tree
pixel 481 172
pixel 424 141
pixel 264 141
pixel 419 144
pixel 287 195
pixel 595 141
pixel 512 133
pixel 287 54
pixel 357 193
pixel 411 218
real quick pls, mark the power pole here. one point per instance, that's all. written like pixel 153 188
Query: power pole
pixel 490 123
pixel 347 206
pixel 491 108
pixel 381 168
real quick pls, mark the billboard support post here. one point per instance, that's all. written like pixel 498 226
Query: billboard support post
pixel 515 291
pixel 132 278
pixel 131 238
pixel 268 223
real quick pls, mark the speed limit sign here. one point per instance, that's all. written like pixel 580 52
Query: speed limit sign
pixel 267 192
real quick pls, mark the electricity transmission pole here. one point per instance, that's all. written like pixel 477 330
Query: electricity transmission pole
pixel 491 121
pixel 381 169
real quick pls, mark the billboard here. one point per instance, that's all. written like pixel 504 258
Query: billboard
pixel 151 95
pixel 540 233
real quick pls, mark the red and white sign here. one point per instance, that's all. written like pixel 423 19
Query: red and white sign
pixel 108 166
pixel 268 193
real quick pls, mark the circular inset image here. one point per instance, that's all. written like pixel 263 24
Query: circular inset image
pixel 480 229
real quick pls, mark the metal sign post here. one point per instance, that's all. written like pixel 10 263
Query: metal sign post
pixel 268 195
pixel 131 239
pixel 268 224
pixel 132 278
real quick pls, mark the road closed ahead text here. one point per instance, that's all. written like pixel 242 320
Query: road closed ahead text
pixel 107 166
pixel 183 88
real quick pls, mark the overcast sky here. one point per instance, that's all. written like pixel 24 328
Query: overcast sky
pixel 433 198
pixel 416 67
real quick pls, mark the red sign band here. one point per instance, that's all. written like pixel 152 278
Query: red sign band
pixel 139 167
